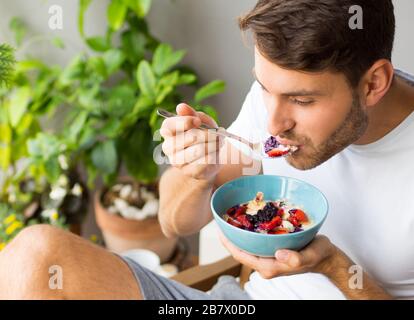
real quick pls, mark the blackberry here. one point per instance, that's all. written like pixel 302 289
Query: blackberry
pixel 252 218
pixel 266 214
pixel 270 144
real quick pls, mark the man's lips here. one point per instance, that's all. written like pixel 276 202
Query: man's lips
pixel 287 142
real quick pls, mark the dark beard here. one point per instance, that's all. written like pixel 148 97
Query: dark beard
pixel 351 129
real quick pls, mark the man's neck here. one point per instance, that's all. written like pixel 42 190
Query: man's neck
pixel 393 109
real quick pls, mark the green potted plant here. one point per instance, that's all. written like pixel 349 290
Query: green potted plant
pixel 36 183
pixel 113 95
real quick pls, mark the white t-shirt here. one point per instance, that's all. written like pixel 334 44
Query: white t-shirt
pixel 370 189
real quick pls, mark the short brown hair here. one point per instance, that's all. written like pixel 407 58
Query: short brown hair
pixel 314 35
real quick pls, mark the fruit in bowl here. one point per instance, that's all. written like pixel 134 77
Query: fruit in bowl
pixel 270 217
pixel 262 235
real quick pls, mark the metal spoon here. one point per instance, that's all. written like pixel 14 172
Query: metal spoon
pixel 257 148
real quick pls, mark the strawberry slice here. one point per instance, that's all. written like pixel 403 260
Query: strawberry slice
pixel 280 212
pixel 240 211
pixel 275 222
pixel 292 219
pixel 234 222
pixel 299 215
pixel 276 152
pixel 244 221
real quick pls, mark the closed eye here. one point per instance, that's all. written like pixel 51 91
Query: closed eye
pixel 303 102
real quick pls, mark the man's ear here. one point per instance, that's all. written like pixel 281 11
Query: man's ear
pixel 377 81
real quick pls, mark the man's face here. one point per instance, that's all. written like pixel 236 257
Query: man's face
pixel 318 112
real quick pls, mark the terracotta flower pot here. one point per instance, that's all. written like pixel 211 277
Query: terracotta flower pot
pixel 122 234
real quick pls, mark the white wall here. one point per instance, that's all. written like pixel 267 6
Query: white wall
pixel 206 28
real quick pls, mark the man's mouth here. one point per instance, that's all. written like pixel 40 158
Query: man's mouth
pixel 275 147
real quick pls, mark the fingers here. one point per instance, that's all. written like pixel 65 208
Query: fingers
pixel 186 139
pixel 194 153
pixel 175 125
pixel 189 148
pixel 314 253
pixel 187 119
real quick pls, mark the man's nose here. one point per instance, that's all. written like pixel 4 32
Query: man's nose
pixel 280 119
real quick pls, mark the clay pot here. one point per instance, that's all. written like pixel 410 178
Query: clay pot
pixel 122 234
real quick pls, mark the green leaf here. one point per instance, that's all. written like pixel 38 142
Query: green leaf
pixel 98 43
pixel 119 101
pixel 26 124
pixel 104 157
pixel 73 71
pixel 211 89
pixel 27 65
pixel 165 58
pixel 133 45
pixel 116 14
pixel 187 79
pixel 18 105
pixel 44 146
pixel 19 29
pixel 169 80
pixel 6 133
pixel 111 128
pixel 83 6
pixel 98 65
pixel 87 137
pixel 52 169
pixel 7 65
pixel 140 7
pixel 113 60
pixel 77 125
pixel 142 105
pixel 137 151
pixel 163 94
pixel 146 79
pixel 5 157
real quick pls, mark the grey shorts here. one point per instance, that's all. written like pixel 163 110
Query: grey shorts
pixel 156 287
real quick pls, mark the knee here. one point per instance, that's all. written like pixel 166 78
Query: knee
pixel 36 241
pixel 25 262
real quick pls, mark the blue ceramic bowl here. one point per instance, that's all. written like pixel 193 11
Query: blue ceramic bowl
pixel 244 189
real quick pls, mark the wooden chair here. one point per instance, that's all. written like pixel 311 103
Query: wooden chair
pixel 205 276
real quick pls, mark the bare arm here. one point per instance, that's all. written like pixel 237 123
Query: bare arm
pixel 338 268
pixel 185 201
